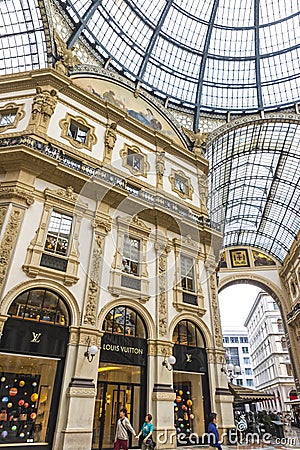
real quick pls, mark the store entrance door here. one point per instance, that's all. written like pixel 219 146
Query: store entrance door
pixel 111 397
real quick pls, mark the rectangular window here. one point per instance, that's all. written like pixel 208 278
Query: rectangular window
pixel 180 184
pixel 59 232
pixel 78 132
pixel 246 360
pixel 187 273
pixel 243 340
pixel 131 255
pixel 226 339
pixel 134 160
pixel 248 371
pixel 239 382
pixel 245 350
pixel 234 339
pixel 7 117
pixel 249 382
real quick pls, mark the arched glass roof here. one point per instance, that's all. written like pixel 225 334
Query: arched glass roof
pixel 215 55
pixel 22 36
pixel 255 185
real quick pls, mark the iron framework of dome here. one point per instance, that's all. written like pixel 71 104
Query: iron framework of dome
pixel 210 57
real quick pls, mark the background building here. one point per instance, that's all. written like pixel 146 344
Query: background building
pixel 269 352
pixel 238 353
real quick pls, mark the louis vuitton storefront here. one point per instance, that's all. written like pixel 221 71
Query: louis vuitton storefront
pixel 32 355
pixel 191 384
pixel 122 375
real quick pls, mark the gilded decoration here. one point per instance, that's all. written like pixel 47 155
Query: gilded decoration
pixel 198 139
pixel 215 312
pixel 160 169
pixel 101 226
pixel 78 121
pixel 109 142
pixel 9 239
pixel 15 109
pixel 163 249
pixel 16 195
pixel 65 55
pixel 43 107
pixel 134 160
pixel 3 211
pixel 181 184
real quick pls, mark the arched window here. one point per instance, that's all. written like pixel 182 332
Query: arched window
pixel 124 321
pixel 187 333
pixel 40 305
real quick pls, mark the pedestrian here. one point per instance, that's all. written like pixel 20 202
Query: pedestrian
pixel 213 434
pixel 121 436
pixel 146 433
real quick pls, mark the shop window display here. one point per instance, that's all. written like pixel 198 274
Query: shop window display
pixel 183 410
pixel 26 385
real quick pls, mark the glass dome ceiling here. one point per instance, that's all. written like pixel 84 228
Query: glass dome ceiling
pixel 212 55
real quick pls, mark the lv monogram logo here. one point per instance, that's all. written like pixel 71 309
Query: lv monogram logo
pixel 188 357
pixel 36 337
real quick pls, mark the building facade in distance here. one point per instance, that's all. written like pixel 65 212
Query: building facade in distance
pixel 272 368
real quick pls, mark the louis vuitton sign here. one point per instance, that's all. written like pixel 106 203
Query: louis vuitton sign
pixel 123 349
pixel 190 359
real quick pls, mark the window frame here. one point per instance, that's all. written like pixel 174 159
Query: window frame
pixel 189 188
pixel 64 201
pixel 121 282
pixel 65 124
pixel 134 150
pixel 54 210
pixel 19 115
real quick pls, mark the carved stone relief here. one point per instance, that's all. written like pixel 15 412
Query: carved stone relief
pixel 9 240
pixel 109 143
pixel 163 249
pixel 101 225
pixel 43 107
pixel 3 211
pixel 160 169
pixel 216 314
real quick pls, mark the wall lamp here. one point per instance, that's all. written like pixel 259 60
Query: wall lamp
pixel 231 371
pixel 169 361
pixel 91 351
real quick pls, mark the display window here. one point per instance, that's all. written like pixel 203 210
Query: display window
pixel 26 388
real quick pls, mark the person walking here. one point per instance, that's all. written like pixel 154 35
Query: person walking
pixel 121 436
pixel 212 431
pixel 146 433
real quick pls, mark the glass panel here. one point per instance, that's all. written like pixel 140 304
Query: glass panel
pixel 26 393
pixel 131 252
pixel 112 372
pixel 122 320
pixel 7 117
pixel 40 305
pixel 58 234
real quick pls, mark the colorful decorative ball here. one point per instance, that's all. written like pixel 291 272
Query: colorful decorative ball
pixel 34 383
pixel 192 416
pixel 176 409
pixel 189 402
pixel 3 379
pixel 178 429
pixel 188 430
pixel 13 391
pixel 34 397
pixel 188 392
pixel 180 392
pixel 184 407
pixel 182 425
pixel 4 399
pixel 21 435
pixel 21 402
pixel 14 428
pixel 33 415
pixel 22 383
pixel 26 404
pixel 178 399
pixel 4 434
pixel 9 404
